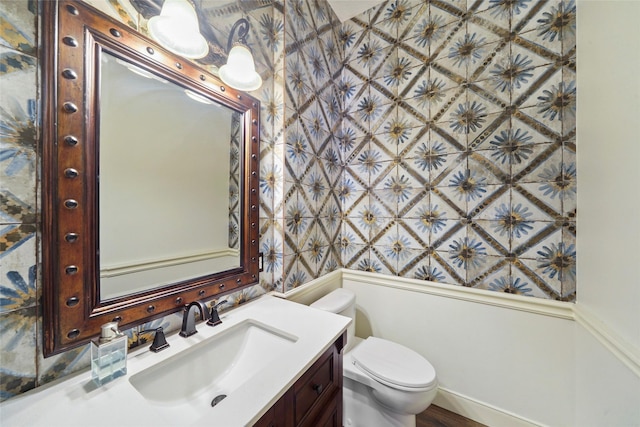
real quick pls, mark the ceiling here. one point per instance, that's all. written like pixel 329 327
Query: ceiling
pixel 347 9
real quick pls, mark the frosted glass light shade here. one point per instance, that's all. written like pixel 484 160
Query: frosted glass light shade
pixel 240 71
pixel 176 28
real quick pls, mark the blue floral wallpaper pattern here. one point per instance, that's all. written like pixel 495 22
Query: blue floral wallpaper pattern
pixel 234 182
pixel 437 139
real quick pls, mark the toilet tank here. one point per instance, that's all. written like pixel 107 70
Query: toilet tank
pixel 341 301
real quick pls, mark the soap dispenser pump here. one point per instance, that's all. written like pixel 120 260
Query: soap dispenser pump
pixel 109 354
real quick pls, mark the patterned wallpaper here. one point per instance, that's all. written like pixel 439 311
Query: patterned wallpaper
pixel 437 139
pixel 425 139
pixel 234 182
pixel 19 128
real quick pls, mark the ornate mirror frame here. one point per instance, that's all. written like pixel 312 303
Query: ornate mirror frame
pixel 74 35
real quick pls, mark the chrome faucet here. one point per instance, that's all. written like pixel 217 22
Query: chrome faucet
pixel 188 321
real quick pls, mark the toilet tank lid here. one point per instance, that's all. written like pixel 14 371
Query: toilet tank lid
pixel 335 301
pixel 394 364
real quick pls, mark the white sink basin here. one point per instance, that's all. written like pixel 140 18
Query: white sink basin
pixel 259 351
pixel 214 367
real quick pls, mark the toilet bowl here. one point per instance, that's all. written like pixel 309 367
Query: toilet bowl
pixel 385 383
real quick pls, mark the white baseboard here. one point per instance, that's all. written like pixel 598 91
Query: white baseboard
pixel 478 411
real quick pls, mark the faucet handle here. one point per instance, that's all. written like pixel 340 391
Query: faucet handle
pixel 214 318
pixel 159 341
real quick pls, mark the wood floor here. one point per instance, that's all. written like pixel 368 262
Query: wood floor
pixel 435 416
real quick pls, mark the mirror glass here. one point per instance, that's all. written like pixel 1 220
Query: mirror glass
pixel 150 178
pixel 168 182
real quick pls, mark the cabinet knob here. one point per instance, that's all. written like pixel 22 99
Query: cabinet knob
pixel 318 388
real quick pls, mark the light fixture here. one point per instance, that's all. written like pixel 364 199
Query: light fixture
pixel 240 71
pixel 197 97
pixel 177 29
pixel 139 71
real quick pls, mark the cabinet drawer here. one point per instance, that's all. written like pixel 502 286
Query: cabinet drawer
pixel 316 386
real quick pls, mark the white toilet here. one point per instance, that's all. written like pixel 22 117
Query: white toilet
pixel 385 383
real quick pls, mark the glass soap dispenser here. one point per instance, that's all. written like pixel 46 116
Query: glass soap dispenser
pixel 109 354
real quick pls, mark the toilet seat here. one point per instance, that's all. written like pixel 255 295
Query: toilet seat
pixel 394 365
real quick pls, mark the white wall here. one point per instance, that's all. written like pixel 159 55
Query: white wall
pixel 608 149
pixel 502 360
pixel 607 391
pixel 491 359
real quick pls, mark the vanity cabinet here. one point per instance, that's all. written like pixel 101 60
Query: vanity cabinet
pixel 315 400
pixel 175 387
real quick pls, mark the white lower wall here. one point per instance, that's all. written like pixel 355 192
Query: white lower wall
pixel 502 360
pixel 607 390
pixel 608 153
pixel 515 361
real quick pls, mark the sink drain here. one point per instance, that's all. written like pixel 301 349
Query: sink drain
pixel 217 399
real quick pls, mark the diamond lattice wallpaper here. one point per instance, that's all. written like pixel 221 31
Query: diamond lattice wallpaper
pixel 438 139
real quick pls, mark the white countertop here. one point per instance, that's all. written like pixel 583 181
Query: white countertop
pixel 76 401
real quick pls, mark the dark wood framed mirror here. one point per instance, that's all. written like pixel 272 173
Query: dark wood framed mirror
pixel 129 232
